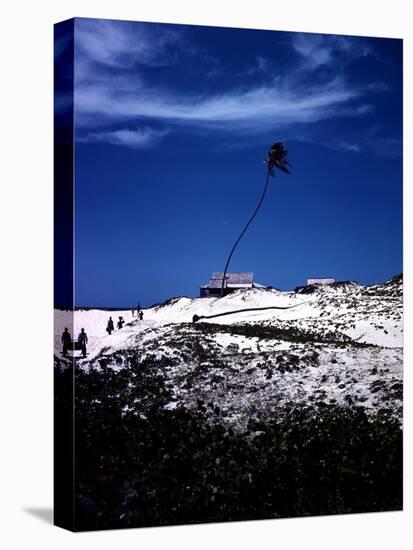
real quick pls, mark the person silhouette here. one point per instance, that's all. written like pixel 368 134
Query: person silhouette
pixel 110 326
pixel 66 341
pixel 82 339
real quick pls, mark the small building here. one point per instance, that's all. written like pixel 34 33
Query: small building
pixel 320 281
pixel 233 281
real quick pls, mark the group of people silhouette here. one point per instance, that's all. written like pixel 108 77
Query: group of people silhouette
pixel 82 339
pixel 110 327
pixel 81 342
pixel 139 312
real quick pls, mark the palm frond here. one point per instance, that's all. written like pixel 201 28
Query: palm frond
pixel 277 158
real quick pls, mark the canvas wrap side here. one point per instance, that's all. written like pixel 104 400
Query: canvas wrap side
pixel 64 475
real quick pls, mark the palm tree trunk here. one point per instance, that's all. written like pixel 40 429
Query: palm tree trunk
pixel 245 228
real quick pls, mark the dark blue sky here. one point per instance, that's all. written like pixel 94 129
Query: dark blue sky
pixel 172 123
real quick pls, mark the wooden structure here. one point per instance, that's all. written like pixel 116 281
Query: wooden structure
pixel 320 281
pixel 233 281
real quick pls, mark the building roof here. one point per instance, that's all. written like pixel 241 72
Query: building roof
pixel 234 279
pixel 313 280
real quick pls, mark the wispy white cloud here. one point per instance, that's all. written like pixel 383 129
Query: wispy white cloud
pixel 371 140
pixel 313 49
pixel 346 146
pixel 260 66
pixel 111 90
pixel 252 108
pixel 136 139
pixel 318 50
pixel 120 44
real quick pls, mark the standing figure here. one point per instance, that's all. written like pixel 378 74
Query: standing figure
pixel 120 323
pixel 141 315
pixel 66 341
pixel 110 326
pixel 82 339
pixel 133 312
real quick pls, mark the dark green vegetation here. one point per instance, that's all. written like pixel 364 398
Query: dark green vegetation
pixel 288 334
pixel 139 464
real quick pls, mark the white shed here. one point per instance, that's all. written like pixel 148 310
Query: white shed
pixel 320 281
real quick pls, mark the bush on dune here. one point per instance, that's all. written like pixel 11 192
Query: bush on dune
pixel 152 466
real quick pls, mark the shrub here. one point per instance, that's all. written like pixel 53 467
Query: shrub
pixel 139 464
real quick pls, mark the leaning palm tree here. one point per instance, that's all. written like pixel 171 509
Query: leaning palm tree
pixel 277 158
